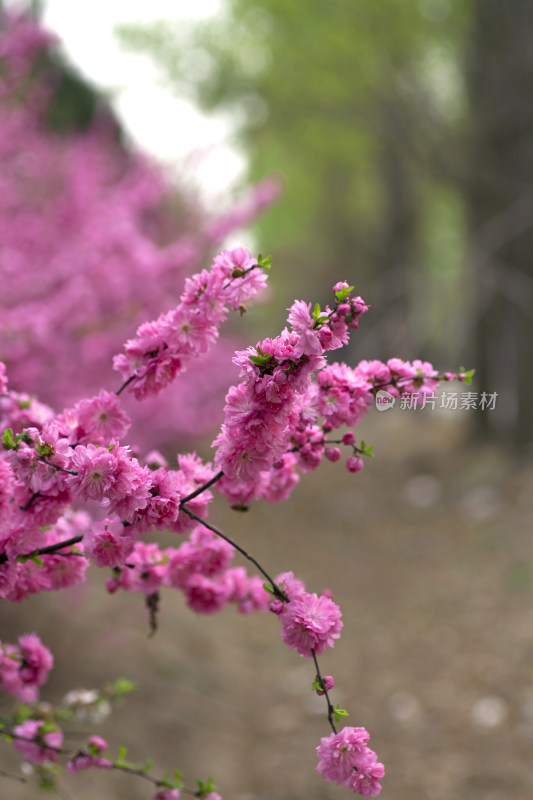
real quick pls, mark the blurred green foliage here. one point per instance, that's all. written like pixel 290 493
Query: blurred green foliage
pixel 360 106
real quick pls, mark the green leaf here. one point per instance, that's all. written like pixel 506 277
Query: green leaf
pixel 342 295
pixel 24 712
pixel 122 686
pixel 205 788
pixel 340 712
pixel 7 440
pixel 44 450
pixel 47 727
pixel 268 588
pixel 259 361
pixel 316 312
pixel 316 687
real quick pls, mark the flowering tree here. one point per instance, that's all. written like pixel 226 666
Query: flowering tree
pixel 93 239
pixel 287 411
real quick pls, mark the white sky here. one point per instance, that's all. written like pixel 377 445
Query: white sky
pixel 157 121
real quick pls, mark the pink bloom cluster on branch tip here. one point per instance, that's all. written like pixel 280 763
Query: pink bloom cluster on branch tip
pixel 91 757
pixel 309 623
pixel 345 759
pixel 163 348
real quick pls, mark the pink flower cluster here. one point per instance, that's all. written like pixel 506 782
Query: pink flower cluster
pixel 277 418
pixel 310 623
pixel 33 742
pixel 264 410
pixel 21 533
pixel 200 568
pixel 91 756
pixel 345 759
pixel 163 348
pixel 25 667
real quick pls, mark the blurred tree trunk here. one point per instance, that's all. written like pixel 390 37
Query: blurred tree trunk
pixel 397 252
pixel 500 200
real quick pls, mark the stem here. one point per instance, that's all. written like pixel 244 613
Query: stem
pixel 339 441
pixel 53 548
pixel 72 754
pixel 125 384
pixel 35 740
pixel 61 469
pixel 326 695
pixel 19 778
pixel 34 497
pixel 49 549
pixel 201 488
pixel 277 591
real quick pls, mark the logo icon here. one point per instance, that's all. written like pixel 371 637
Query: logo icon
pixel 384 400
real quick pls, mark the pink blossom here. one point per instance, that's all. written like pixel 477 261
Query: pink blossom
pixel 277 484
pixel 34 750
pixel 101 419
pixel 375 372
pixel 369 772
pixel 147 570
pixel 108 543
pixel 36 660
pixel 96 469
pixel 339 753
pixel 333 454
pixel 163 506
pixel 354 464
pixel 167 794
pixel 91 756
pixel 292 586
pixel 110 475
pixel 310 624
pixel 206 595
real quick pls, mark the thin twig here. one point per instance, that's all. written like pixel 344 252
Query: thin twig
pixel 331 710
pixel 202 488
pixel 125 384
pixel 19 778
pixel 277 591
pixel 61 469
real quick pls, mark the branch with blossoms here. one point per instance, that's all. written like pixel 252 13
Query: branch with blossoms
pixel 279 423
pixel 37 730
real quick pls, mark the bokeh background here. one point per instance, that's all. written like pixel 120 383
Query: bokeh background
pixel 389 144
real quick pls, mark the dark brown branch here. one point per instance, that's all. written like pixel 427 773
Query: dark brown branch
pixel 277 591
